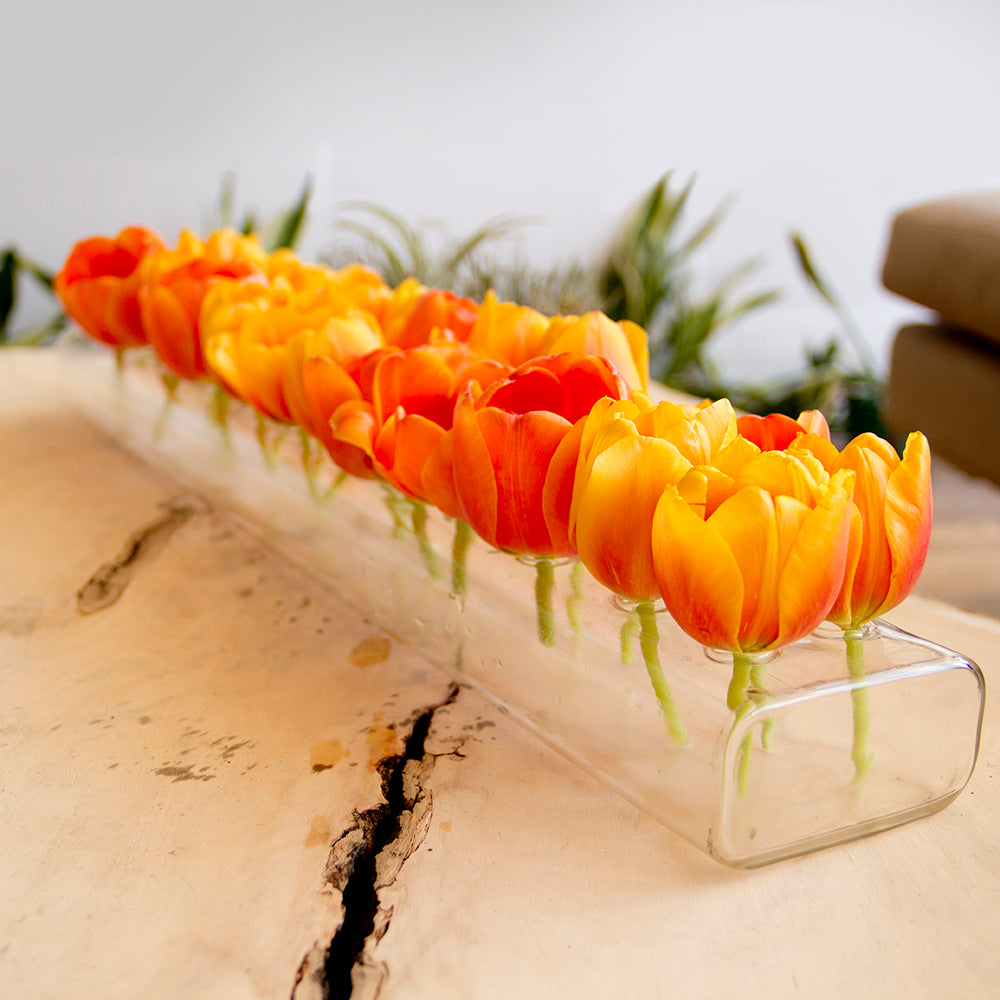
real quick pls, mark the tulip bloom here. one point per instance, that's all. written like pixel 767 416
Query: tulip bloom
pixel 516 448
pixel 507 331
pixel 99 283
pixel 173 285
pixel 776 431
pixel 406 409
pixel 623 343
pixel 339 291
pixel 427 314
pixel 258 335
pixel 891 527
pixel 628 455
pixel 760 571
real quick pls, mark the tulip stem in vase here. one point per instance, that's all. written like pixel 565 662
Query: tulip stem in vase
pixel 627 636
pixel 262 430
pixel 170 382
pixel 859 702
pixel 748 672
pixel 545 582
pixel 395 504
pixel 459 557
pixel 649 643
pixel 218 412
pixel 575 597
pixel 418 518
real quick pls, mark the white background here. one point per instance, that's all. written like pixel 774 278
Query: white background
pixel 822 117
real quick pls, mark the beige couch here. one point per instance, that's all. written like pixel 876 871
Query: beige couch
pixel 944 376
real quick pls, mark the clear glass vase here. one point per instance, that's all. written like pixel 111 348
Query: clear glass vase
pixel 835 738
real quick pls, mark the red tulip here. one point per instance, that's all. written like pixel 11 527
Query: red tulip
pixel 99 284
pixel 516 448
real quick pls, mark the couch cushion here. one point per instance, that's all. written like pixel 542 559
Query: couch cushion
pixel 946 255
pixel 948 386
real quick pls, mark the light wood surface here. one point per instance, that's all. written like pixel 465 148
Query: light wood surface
pixel 190 734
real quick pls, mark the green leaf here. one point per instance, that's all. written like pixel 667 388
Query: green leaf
pixel 42 276
pixel 8 281
pixel 41 335
pixel 491 230
pixel 290 223
pixel 809 270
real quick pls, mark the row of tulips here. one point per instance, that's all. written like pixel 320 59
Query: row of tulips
pixel 537 431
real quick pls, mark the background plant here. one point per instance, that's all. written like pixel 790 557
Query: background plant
pixel 14 269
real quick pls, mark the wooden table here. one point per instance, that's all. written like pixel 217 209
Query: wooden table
pixel 194 739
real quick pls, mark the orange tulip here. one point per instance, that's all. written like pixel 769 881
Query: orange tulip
pixel 628 455
pixel 434 313
pixel 623 343
pixel 891 527
pixel 516 448
pixel 343 290
pixel 776 431
pixel 406 408
pixel 507 331
pixel 99 283
pixel 258 336
pixel 173 285
pixel 760 571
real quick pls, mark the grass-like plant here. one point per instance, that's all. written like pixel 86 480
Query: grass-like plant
pixel 646 278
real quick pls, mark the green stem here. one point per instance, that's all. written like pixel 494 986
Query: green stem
pixel 218 411
pixel 575 598
pixel 758 680
pixel 396 505
pixel 859 704
pixel 649 643
pixel 170 382
pixel 545 582
pixel 740 681
pixel 418 518
pixel 628 632
pixel 460 545
pixel 747 671
pixel 262 430
pixel 312 456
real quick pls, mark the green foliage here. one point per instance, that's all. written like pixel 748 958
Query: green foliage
pixel 284 229
pixel 14 267
pixel 426 251
pixel 646 279
pixel 846 390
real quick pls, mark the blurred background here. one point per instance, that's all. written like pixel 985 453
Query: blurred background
pixel 820 117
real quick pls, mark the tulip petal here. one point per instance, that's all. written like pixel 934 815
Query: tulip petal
pixel 628 476
pixel 909 508
pixel 557 493
pixel 474 474
pixel 870 584
pixel 697 574
pixel 523 448
pixel 437 479
pixel 813 569
pixel 748 522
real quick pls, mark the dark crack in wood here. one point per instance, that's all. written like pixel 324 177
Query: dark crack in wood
pixel 366 859
pixel 111 579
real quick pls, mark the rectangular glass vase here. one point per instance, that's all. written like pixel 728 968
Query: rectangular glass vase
pixel 813 748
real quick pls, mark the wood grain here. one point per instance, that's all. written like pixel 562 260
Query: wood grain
pixel 191 774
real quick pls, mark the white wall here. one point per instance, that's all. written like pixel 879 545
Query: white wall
pixel 821 116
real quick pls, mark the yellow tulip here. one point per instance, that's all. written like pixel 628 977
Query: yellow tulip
pixel 623 343
pixel 629 453
pixel 891 527
pixel 760 571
